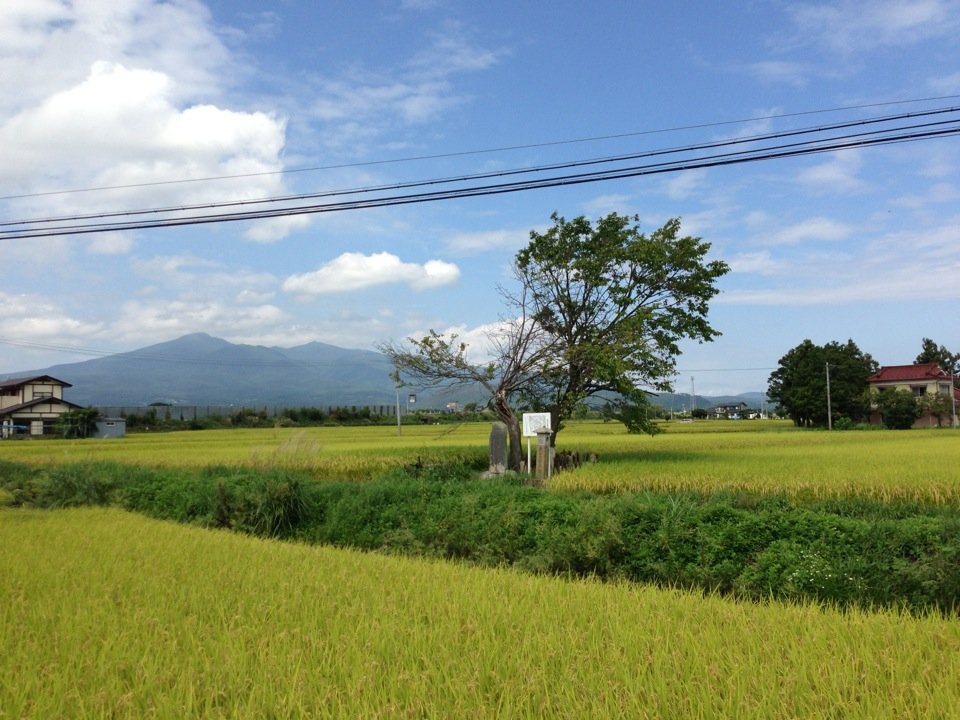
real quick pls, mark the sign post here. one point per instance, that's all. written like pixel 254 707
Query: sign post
pixel 534 423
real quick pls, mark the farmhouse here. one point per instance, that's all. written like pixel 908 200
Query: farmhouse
pixel 927 380
pixel 32 404
pixel 732 410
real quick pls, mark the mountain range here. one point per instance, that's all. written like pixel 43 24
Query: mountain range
pixel 199 369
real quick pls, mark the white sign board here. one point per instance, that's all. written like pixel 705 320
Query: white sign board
pixel 534 422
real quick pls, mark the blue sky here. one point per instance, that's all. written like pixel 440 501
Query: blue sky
pixel 861 244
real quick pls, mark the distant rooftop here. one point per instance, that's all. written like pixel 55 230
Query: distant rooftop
pixel 906 373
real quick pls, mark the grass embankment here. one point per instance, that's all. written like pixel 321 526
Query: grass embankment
pixel 107 614
pixel 851 552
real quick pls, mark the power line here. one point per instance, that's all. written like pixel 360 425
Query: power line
pixel 843 142
pixel 464 153
pixel 503 173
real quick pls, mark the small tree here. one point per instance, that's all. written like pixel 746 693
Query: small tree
pixel 899 408
pixel 79 423
pixel 936 405
pixel 518 346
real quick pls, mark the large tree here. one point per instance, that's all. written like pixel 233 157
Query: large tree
pixel 799 384
pixel 615 303
pixel 598 309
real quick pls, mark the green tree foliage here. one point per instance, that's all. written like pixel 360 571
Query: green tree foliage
pixel 600 309
pixel 615 303
pixel 637 417
pixel 899 408
pixel 799 384
pixel 933 353
pixel 437 359
pixel 79 423
pixel 937 405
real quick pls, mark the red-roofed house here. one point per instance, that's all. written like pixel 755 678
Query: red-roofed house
pixel 32 404
pixel 921 380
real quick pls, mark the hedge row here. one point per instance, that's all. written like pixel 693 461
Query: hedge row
pixel 843 551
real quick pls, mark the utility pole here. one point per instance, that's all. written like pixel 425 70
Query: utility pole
pixel 399 427
pixel 829 410
pixel 693 397
pixel 953 397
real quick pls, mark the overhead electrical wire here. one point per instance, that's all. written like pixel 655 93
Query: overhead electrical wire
pixel 502 173
pixel 482 151
pixel 910 133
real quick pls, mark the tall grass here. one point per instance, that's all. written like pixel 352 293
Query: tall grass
pixel 105 614
pixel 754 457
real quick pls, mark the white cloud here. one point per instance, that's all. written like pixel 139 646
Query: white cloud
pixel 851 26
pixel 145 321
pixel 49 45
pixel 781 71
pixel 471 242
pixel 171 264
pixel 122 94
pixel 117 243
pixel 812 229
pixel 682 185
pixel 838 174
pixel 919 264
pixel 356 271
pixel 937 193
pixel 34 318
pixel 251 297
pixel 606 204
pixel 760 263
pixel 273 229
pixel 360 105
pixel 947 84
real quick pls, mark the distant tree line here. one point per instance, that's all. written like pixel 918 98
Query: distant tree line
pixel 159 418
pixel 799 386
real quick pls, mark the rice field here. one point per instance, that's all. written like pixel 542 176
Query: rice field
pixel 755 457
pixel 106 614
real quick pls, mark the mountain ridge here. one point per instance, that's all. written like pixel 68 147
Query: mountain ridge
pixel 200 369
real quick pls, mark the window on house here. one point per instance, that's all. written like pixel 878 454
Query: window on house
pixel 919 390
pixel 42 394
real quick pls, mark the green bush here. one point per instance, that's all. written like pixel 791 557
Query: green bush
pixel 853 551
pixel 899 409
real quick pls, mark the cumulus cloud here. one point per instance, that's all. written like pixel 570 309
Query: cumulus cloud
pixel 49 46
pixel 124 94
pixel 35 318
pixel 356 271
